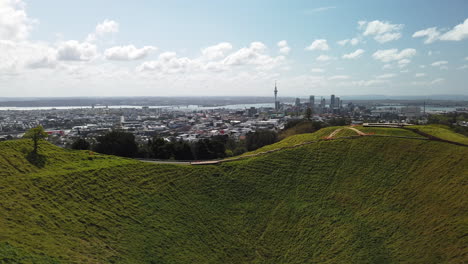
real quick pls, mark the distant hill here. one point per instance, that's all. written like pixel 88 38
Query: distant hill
pixel 345 200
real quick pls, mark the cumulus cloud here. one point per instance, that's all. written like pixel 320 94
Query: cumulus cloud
pixel 354 55
pixel 403 63
pixel 255 54
pixel 318 44
pixel 73 50
pixel 217 51
pixel 382 31
pixel 439 63
pixel 106 27
pixel 44 62
pixel 390 55
pixel 284 48
pixel 14 22
pixel 419 74
pixel 129 52
pixel 168 62
pixel 323 58
pixel 338 77
pixel 352 41
pixel 317 70
pixel 457 33
pixel 386 76
pixel 431 34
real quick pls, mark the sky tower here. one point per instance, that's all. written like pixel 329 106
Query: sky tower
pixel 276 101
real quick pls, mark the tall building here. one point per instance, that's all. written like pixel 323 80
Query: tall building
pixel 337 102
pixel 276 101
pixel 312 101
pixel 298 102
pixel 332 101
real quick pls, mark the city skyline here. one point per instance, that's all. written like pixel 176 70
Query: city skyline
pixel 173 49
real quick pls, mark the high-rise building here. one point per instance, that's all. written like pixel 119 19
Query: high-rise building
pixel 298 102
pixel 337 102
pixel 332 101
pixel 312 101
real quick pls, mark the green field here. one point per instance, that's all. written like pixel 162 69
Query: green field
pixel 442 132
pixel 361 200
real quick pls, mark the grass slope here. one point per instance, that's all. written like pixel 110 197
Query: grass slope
pixel 363 200
pixel 442 132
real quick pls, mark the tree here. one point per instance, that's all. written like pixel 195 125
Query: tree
pixel 80 144
pixel 117 143
pixel 36 134
pixel 259 139
pixel 182 151
pixel 308 113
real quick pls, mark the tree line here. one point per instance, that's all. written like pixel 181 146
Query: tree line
pixel 123 144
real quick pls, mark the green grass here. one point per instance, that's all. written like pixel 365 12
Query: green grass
pixel 362 200
pixel 442 132
pixel 389 131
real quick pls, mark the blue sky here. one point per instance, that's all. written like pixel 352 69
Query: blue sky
pixel 109 48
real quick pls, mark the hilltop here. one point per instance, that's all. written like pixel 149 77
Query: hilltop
pixel 347 200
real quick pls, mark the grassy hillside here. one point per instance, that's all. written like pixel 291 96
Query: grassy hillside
pixel 363 200
pixel 442 132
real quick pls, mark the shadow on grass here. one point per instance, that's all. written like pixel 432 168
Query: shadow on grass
pixel 36 159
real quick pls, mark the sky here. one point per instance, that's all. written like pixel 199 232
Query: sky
pixel 182 48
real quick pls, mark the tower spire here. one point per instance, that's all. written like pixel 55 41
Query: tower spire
pixel 276 101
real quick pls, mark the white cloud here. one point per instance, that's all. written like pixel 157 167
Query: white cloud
pixel 353 42
pixel 438 80
pixel 381 30
pixel 129 52
pixel 284 48
pixel 107 26
pixel 317 70
pixel 44 62
pixel 217 51
pixel 14 22
pixel 431 34
pixel 73 50
pixel 403 63
pixel 466 58
pixel 393 54
pixel 420 74
pixel 364 83
pixel 16 56
pixel 255 54
pixel 439 63
pixel 338 77
pixel 354 55
pixel 386 76
pixel 168 63
pixel 319 9
pixel 459 32
pixel 323 58
pixel 318 44
pixel 387 37
pixel 387 67
pixel 462 67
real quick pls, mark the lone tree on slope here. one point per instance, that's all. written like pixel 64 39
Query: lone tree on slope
pixel 36 134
